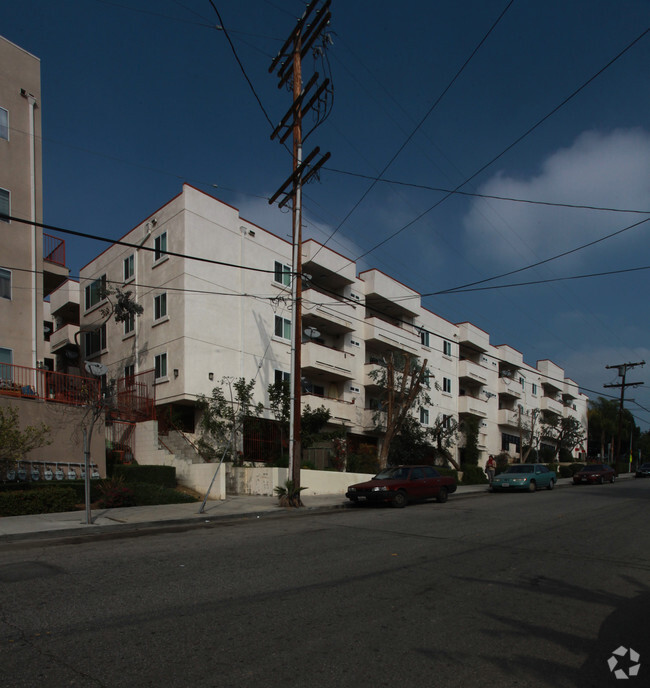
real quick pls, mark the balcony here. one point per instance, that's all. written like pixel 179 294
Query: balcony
pixel 327 268
pixel 510 357
pixel 509 388
pixel 325 363
pixel 340 411
pixel 64 336
pixel 368 379
pixel 64 302
pixel 472 371
pixel 328 314
pixel 389 296
pixel 54 270
pixel 472 406
pixel 46 385
pixel 508 417
pixel 553 373
pixel 552 406
pixel 473 337
pixel 384 336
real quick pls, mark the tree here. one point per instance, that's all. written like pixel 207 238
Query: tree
pixel 16 443
pixel 603 422
pixel 223 415
pixel 444 433
pixel 401 381
pixel 471 451
pixel 410 445
pixel 565 432
pixel 530 432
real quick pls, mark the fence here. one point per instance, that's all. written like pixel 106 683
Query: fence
pixel 53 249
pixel 39 383
pixel 136 397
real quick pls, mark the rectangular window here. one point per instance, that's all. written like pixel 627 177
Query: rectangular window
pixel 5 284
pixel 534 389
pixel 95 292
pixel 282 274
pixel 129 267
pixel 446 348
pixel 160 306
pixel 281 376
pixel 5 205
pixel 424 337
pixel 446 421
pixel 129 324
pixel 6 361
pixel 160 246
pixel 95 342
pixel 4 124
pixel 424 416
pixel 446 385
pixel 282 327
pixel 129 370
pixel 522 382
pixel 160 366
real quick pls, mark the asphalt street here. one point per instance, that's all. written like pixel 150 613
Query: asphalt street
pixel 498 590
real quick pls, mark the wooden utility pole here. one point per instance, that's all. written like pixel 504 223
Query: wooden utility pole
pixel 289 64
pixel 622 372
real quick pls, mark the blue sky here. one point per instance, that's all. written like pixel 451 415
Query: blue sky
pixel 139 96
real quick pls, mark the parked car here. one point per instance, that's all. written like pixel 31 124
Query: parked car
pixel 643 471
pixel 524 476
pixel 402 484
pixel 594 473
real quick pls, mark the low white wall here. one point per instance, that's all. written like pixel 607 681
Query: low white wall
pixel 263 480
pixel 195 476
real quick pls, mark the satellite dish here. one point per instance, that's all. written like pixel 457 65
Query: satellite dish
pixel 96 369
pixel 312 332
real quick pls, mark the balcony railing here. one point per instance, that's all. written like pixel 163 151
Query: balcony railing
pixel 38 383
pixel 53 249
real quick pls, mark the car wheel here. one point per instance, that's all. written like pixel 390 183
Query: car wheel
pixel 354 500
pixel 400 499
pixel 532 486
pixel 600 480
pixel 551 485
pixel 442 495
pixel 612 480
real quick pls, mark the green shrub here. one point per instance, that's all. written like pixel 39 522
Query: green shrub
pixel 147 494
pixel 362 463
pixel 164 476
pixel 443 470
pixel 115 494
pixel 554 467
pixel 570 470
pixel 51 499
pixel 473 475
pixel 502 462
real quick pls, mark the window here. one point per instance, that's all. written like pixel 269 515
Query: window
pixel 424 416
pixel 424 337
pixel 446 385
pixel 507 440
pixel 129 324
pixel 129 268
pixel 159 246
pixel 4 124
pixel 160 366
pixel 160 306
pixel 95 342
pixel 446 348
pixel 5 284
pixel 282 327
pixel 522 382
pixel 282 274
pixel 5 206
pixel 95 292
pixel 6 361
pixel 534 389
pixel 281 376
pixel 446 421
pixel 129 370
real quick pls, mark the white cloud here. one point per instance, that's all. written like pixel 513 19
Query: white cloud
pixel 601 169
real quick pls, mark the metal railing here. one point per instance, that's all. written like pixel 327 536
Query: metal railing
pixel 39 383
pixel 53 249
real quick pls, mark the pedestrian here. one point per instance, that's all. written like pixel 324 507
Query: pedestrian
pixel 490 468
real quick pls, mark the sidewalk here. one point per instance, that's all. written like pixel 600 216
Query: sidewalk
pixel 72 524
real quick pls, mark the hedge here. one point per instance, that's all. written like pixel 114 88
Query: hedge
pixel 165 476
pixel 473 475
pixel 50 499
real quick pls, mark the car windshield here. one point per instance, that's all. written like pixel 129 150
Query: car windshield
pixel 591 469
pixel 520 469
pixel 393 474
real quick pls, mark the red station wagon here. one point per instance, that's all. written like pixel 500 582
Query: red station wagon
pixel 402 484
pixel 594 473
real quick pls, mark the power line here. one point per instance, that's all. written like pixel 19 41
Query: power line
pixel 509 147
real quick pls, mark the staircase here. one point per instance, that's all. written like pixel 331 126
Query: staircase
pixel 181 447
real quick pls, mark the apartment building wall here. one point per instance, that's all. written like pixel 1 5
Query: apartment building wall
pixel 214 318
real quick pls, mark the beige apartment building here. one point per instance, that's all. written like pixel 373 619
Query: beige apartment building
pixel 216 295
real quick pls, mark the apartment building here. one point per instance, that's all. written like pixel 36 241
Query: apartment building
pixel 33 263
pixel 216 295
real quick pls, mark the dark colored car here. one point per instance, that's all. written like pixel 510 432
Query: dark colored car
pixel 402 484
pixel 595 473
pixel 643 471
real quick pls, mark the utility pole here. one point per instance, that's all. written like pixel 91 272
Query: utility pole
pixel 622 372
pixel 289 64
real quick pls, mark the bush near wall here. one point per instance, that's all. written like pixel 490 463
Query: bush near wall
pixel 48 500
pixel 77 485
pixel 447 471
pixel 165 476
pixel 570 470
pixel 148 494
pixel 473 475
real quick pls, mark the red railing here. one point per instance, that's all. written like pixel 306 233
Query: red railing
pixel 38 383
pixel 53 249
pixel 136 397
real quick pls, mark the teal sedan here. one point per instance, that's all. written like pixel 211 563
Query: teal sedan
pixel 524 476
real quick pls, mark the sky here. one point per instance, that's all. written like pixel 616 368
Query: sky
pixel 535 100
